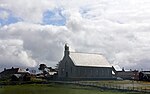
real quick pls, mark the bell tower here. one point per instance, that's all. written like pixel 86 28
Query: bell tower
pixel 66 52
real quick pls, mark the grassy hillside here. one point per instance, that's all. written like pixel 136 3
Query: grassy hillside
pixel 52 89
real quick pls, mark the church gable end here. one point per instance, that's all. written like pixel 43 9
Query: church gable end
pixel 66 66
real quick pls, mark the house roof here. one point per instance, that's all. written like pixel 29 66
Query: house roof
pixel 10 71
pixel 90 60
pixel 146 73
pixel 13 71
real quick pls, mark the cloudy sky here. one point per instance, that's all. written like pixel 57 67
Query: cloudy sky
pixel 35 31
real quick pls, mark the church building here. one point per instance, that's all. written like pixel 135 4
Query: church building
pixel 83 66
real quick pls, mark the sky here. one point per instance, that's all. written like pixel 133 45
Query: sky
pixel 35 31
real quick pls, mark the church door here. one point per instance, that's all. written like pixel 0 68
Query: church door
pixel 66 74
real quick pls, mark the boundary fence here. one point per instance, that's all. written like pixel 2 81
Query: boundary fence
pixel 117 87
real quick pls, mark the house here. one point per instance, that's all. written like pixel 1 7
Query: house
pixel 83 66
pixel 128 75
pixel 13 72
pixel 144 76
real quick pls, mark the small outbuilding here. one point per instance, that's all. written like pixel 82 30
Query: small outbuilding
pixel 128 74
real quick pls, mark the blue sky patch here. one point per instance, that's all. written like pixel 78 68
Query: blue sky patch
pixel 54 17
pixel 11 18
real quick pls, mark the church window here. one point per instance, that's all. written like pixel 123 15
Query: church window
pixel 71 69
pixel 62 70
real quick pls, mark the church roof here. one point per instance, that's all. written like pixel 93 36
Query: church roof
pixel 90 60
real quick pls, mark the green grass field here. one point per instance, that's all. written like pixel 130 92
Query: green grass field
pixel 53 89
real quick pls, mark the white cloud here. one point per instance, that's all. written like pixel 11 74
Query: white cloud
pixel 44 42
pixel 13 54
pixel 28 10
pixel 117 29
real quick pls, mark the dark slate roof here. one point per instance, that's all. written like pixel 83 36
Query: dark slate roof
pixel 10 71
pixel 13 71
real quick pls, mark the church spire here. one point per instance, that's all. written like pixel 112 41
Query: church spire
pixel 66 52
pixel 66 47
